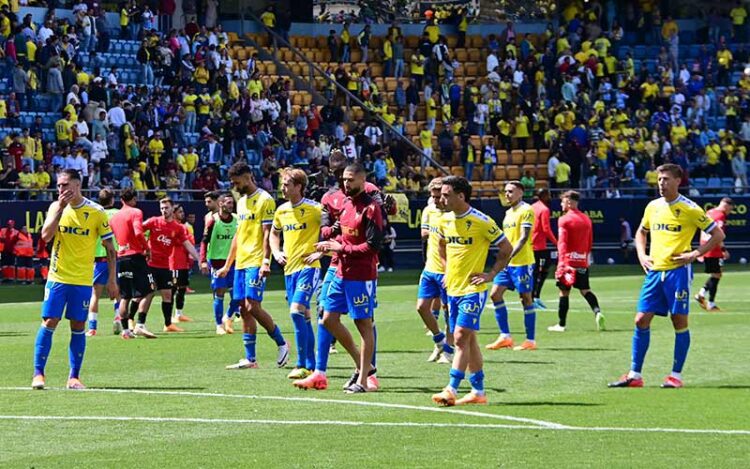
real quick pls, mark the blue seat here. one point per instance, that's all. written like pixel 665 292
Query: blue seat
pixel 714 182
pixel 700 182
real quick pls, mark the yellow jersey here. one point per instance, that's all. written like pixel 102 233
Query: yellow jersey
pixel 75 243
pixel 64 130
pixel 431 219
pixel 425 138
pixel 672 226
pixel 467 239
pixel 300 225
pixel 516 219
pixel 253 211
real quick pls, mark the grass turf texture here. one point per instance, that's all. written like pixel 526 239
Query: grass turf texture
pixel 564 382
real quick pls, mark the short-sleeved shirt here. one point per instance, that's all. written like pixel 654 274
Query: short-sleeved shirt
pixel 672 226
pixel 163 237
pixel 100 250
pixel 73 247
pixel 431 220
pixel 253 212
pixel 300 225
pixel 516 220
pixel 467 239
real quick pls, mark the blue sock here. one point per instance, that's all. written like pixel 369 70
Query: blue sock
pixel 641 339
pixel 218 309
pixel 436 313
pixel 310 350
pixel 529 321
pixel 681 346
pixel 76 351
pixel 300 337
pixel 249 341
pixel 477 381
pixel 501 316
pixel 456 377
pixel 41 349
pixel 325 338
pixel 277 337
pixel 447 348
pixel 234 308
pixel 375 348
pixel 439 337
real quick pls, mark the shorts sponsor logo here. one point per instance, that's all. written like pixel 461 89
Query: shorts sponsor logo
pixel 361 300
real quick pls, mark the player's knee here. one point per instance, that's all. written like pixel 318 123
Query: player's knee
pixel 51 323
pixel 642 322
pixel 330 320
pixel 526 299
pixel 584 292
pixel 680 321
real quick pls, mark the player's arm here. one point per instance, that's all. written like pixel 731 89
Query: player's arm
pixel 547 228
pixel 52 222
pixel 525 233
pixel 372 222
pixel 230 258
pixel 641 238
pixel 503 256
pixel 329 228
pixel 191 250
pixel 112 289
pixel 275 241
pixel 207 231
pixel 140 227
pixel 716 237
pixel 265 268
pixel 425 226
pixel 562 248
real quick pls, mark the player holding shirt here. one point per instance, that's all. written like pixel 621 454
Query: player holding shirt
pixel 467 235
pixel 671 220
pixel 431 289
pixel 714 259
pixel 132 270
pixel 354 289
pixel 541 233
pixel 519 274
pixel 180 264
pixel 298 222
pixel 166 233
pixel 75 225
pixel 101 269
pixel 217 239
pixel 250 247
pixel 576 237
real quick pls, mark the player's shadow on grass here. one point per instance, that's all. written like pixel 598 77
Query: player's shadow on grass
pixel 548 403
pixel 725 386
pixel 386 352
pixel 518 362
pixel 151 388
pixel 580 349
pixel 13 334
pixel 420 389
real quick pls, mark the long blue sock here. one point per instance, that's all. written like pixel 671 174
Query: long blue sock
pixel 456 377
pixel 41 349
pixel 234 308
pixel 681 347
pixel 277 337
pixel 477 381
pixel 248 340
pixel 310 351
pixel 375 348
pixel 501 316
pixel 218 310
pixel 529 321
pixel 300 337
pixel 641 339
pixel 76 351
pixel 325 338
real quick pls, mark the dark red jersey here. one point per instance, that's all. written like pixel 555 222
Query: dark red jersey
pixel 721 220
pixel 180 259
pixel 8 240
pixel 542 229
pixel 362 225
pixel 127 225
pixel 574 240
pixel 163 237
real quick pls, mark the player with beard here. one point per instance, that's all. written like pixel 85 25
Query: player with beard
pixel 541 233
pixel 181 264
pixel 101 270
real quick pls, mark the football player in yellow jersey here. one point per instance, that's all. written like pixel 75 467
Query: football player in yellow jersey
pixel 671 220
pixel 298 222
pixel 467 235
pixel 252 251
pixel 519 275
pixel 75 225
pixel 431 290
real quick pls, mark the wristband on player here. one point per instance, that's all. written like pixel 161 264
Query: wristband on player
pixel 266 261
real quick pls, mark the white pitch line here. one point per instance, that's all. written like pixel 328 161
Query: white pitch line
pixel 348 423
pixel 538 423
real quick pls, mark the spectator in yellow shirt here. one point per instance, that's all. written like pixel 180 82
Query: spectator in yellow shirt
pixel 187 163
pixel 42 181
pixel 739 17
pixel 562 175
pixel 156 148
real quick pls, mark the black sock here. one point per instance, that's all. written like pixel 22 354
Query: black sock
pixel 179 300
pixel 124 320
pixel 562 310
pixel 714 288
pixel 540 282
pixel 133 309
pixel 592 301
pixel 141 319
pixel 166 310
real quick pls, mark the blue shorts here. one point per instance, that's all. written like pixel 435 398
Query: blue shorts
pixel 73 299
pixel 221 282
pixel 101 273
pixel 301 285
pixel 666 291
pixel 519 278
pixel 466 310
pixel 355 297
pixel 431 286
pixel 248 284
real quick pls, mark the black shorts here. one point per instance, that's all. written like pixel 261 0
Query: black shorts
pixel 24 262
pixel 581 283
pixel 713 265
pixel 8 260
pixel 133 277
pixel 181 278
pixel 542 259
pixel 162 278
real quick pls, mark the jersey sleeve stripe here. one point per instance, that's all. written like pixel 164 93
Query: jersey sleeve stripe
pixel 108 235
pixel 498 240
pixel 710 227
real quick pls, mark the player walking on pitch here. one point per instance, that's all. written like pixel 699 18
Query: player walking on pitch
pixel 714 259
pixel 250 246
pixel 519 273
pixel 541 233
pixel 575 239
pixel 671 220
pixel 297 221
pixel 217 239
pixel 467 235
pixel 180 263
pixel 76 225
pixel 101 270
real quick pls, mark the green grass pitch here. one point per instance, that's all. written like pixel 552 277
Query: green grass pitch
pixel 169 402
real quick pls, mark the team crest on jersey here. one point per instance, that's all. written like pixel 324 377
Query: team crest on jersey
pixel 677 212
pixel 302 212
pixel 468 224
pixel 86 215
